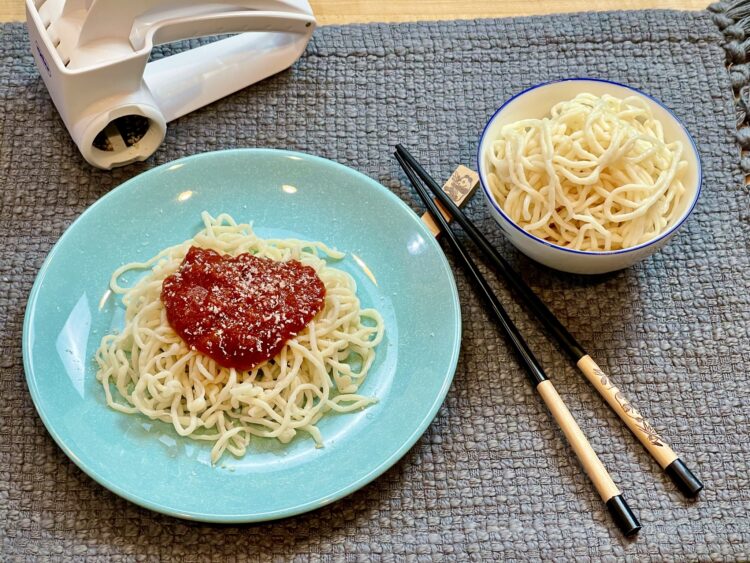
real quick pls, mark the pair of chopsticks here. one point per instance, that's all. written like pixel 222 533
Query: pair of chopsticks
pixel 609 492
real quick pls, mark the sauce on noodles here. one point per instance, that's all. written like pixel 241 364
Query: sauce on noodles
pixel 147 368
pixel 240 311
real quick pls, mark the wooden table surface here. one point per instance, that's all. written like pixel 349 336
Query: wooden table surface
pixel 350 11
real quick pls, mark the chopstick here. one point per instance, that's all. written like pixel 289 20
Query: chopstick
pixel 669 461
pixel 608 491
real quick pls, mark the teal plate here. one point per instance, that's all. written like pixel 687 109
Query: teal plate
pixel 283 194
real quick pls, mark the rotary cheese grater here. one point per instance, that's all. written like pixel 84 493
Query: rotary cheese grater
pixel 94 58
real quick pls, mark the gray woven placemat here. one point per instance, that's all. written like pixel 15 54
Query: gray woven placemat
pixel 491 478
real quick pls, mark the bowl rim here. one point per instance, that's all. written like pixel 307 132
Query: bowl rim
pixel 666 234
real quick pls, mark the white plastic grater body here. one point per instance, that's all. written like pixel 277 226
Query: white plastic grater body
pixel 93 56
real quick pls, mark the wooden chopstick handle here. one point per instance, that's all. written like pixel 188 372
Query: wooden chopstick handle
pixel 589 460
pixel 651 440
pixel 646 434
pixel 605 486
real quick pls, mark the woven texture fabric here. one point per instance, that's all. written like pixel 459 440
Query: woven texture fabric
pixel 492 478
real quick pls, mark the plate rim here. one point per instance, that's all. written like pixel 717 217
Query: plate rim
pixel 249 517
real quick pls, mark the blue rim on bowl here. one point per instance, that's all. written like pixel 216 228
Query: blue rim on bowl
pixel 653 241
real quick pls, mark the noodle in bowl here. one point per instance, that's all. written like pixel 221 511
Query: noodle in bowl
pixel 588 176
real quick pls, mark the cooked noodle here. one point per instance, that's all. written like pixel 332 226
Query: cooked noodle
pixel 147 368
pixel 596 175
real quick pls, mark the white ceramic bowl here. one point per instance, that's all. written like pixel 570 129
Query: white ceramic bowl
pixel 536 103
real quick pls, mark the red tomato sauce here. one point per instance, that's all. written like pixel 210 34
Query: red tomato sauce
pixel 240 310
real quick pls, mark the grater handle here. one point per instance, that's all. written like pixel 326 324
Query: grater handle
pixel 189 80
pixel 178 29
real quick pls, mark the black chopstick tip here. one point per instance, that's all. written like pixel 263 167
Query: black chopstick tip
pixel 685 480
pixel 623 516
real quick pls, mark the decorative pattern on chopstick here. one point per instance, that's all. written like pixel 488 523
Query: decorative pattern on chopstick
pixel 646 433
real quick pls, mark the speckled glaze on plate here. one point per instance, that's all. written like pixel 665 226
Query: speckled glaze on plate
pixel 283 194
